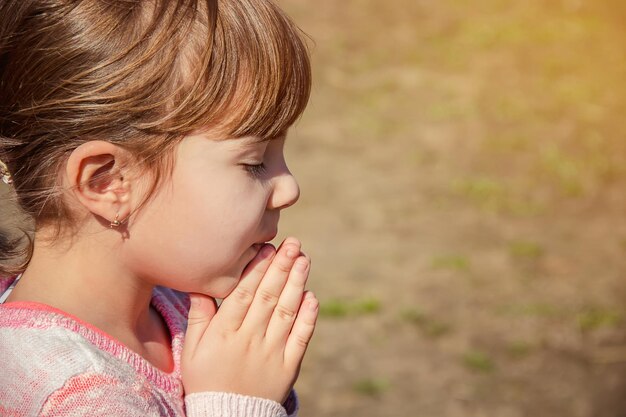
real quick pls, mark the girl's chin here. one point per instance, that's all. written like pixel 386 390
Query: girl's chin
pixel 222 286
pixel 227 283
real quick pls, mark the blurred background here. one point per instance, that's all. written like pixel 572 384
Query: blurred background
pixel 463 175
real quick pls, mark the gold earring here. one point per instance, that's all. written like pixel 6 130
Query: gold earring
pixel 116 222
pixel 5 174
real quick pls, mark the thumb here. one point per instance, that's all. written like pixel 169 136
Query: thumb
pixel 201 312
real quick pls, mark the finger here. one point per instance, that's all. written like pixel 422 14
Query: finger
pixel 289 302
pixel 235 306
pixel 201 313
pixel 271 287
pixel 302 331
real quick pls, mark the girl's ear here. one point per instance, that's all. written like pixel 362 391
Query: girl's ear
pixel 95 177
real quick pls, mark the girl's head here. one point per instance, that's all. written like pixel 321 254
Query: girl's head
pixel 108 105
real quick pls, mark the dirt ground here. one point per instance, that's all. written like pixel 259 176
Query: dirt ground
pixel 463 174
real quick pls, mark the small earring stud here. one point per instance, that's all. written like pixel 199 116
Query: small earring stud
pixel 116 222
pixel 5 174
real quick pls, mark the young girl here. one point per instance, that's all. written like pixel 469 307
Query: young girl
pixel 145 138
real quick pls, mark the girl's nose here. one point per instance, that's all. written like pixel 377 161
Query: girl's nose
pixel 285 193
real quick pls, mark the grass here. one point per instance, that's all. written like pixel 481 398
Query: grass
pixel 413 315
pixel 524 207
pixel 334 308
pixel 564 170
pixel 543 310
pixel 338 308
pixel 495 196
pixel 519 349
pixel 435 328
pixel 428 325
pixel 445 111
pixel 478 361
pixel 510 142
pixel 366 306
pixel 483 191
pixel 522 249
pixel 595 318
pixel 371 387
pixel 452 262
pixel 589 319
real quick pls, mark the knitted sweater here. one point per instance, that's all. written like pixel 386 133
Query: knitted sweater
pixel 53 364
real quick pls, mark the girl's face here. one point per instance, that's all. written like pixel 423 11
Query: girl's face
pixel 208 222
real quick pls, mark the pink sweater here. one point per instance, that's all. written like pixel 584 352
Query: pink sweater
pixel 54 364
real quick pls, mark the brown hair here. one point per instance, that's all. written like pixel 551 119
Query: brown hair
pixel 141 74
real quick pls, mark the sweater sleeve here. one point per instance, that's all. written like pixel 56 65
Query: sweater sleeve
pixel 224 404
pixel 292 404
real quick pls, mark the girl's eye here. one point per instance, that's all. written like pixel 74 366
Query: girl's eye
pixel 256 170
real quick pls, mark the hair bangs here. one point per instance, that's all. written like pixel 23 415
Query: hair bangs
pixel 254 77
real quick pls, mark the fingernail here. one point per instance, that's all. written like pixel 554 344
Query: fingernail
pixel 301 265
pixel 266 251
pixel 292 252
pixel 313 305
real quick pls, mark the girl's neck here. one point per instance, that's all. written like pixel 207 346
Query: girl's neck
pixel 85 278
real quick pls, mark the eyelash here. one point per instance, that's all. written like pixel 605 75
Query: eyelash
pixel 256 170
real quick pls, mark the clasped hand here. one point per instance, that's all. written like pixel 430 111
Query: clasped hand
pixel 255 343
